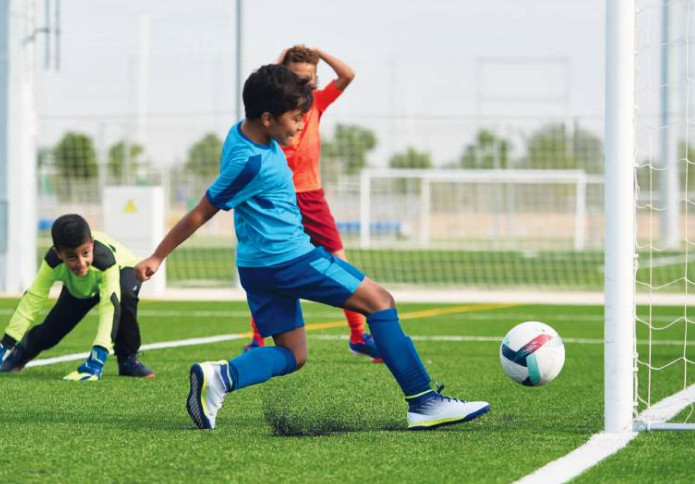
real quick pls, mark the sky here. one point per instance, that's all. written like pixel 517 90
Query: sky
pixel 429 74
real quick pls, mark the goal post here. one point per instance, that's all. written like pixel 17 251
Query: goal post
pixel 648 362
pixel 18 229
pixel 620 217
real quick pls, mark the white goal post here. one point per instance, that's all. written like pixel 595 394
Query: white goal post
pixel 620 217
pixel 622 118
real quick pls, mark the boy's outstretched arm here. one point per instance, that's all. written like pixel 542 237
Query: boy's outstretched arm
pixel 29 307
pixel 183 229
pixel 344 71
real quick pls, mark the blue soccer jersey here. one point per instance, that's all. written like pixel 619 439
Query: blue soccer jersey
pixel 256 182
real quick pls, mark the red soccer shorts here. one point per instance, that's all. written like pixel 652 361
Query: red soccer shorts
pixel 318 221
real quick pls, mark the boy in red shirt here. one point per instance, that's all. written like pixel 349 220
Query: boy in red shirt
pixel 303 154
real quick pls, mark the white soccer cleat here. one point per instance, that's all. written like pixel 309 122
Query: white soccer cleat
pixel 207 392
pixel 435 409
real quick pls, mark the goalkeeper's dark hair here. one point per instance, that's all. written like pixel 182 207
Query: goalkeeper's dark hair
pixel 70 231
pixel 276 90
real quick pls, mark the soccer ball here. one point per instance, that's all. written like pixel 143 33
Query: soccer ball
pixel 532 353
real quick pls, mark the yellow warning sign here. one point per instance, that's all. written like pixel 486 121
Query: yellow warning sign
pixel 130 207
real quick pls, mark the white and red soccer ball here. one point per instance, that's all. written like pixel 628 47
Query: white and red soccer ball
pixel 532 353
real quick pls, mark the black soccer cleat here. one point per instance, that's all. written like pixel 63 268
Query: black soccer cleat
pixel 15 361
pixel 131 366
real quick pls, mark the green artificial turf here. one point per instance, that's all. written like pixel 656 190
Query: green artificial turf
pixel 341 418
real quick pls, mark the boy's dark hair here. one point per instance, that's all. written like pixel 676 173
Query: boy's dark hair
pixel 300 53
pixel 70 231
pixel 275 89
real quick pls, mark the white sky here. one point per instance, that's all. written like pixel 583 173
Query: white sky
pixel 426 71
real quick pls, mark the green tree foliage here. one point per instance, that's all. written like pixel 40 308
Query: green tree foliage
pixel 118 159
pixel 204 156
pixel 348 149
pixel 75 158
pixel 411 159
pixel 487 152
pixel 557 147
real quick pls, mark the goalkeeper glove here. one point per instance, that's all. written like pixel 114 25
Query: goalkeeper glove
pixel 91 369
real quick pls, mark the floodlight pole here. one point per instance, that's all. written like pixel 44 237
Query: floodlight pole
pixel 619 216
pixel 239 87
pixel 239 84
pixel 669 230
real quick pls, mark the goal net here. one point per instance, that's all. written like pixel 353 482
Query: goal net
pixel 664 353
pixel 664 174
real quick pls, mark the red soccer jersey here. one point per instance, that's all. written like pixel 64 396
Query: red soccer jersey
pixel 305 149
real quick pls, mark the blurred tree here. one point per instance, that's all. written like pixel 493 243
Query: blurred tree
pixel 411 159
pixel 346 153
pixel 204 156
pixel 556 147
pixel 486 153
pixel 75 157
pixel 117 160
pixel 75 161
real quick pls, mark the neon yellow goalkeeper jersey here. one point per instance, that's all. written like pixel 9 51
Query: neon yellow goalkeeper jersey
pixel 103 279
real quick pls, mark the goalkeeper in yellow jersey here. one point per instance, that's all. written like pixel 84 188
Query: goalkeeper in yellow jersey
pixel 95 271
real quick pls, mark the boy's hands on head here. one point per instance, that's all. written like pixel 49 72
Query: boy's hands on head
pixel 146 268
pixel 281 57
pixel 91 369
pixel 343 71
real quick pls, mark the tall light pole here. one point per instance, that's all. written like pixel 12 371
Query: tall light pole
pixel 239 85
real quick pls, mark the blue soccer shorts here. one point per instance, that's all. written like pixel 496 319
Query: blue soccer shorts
pixel 273 293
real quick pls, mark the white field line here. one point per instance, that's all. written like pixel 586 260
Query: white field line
pixel 498 339
pixel 603 445
pixel 152 346
pixel 235 336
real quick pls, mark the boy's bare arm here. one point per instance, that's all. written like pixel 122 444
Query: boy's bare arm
pixel 183 229
pixel 344 71
pixel 281 57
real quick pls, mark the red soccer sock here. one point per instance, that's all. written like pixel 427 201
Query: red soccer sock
pixel 257 338
pixel 356 323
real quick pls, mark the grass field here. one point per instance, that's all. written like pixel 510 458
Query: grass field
pixel 341 418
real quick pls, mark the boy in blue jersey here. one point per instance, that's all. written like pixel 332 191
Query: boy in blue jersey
pixel 278 266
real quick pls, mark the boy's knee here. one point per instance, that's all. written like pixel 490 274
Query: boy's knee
pixel 300 359
pixel 384 300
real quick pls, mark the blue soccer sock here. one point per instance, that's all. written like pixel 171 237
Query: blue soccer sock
pixel 259 365
pixel 398 352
